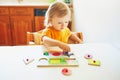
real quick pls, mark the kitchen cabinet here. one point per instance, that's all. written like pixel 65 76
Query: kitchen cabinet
pixel 15 22
pixel 20 26
pixel 21 20
pixel 5 29
pixel 39 23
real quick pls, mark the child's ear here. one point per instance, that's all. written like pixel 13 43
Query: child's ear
pixel 50 19
pixel 50 22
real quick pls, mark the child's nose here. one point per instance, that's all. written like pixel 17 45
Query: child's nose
pixel 62 25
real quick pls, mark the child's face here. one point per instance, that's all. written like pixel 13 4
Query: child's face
pixel 59 23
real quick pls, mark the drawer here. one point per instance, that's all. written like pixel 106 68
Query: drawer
pixel 4 11
pixel 21 11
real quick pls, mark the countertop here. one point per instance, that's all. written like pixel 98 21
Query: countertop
pixel 24 4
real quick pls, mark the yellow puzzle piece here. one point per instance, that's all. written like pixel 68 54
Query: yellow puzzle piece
pixel 94 62
pixel 54 61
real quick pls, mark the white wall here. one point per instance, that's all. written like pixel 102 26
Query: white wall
pixel 99 20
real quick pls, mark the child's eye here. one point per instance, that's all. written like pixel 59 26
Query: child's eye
pixel 66 22
pixel 59 22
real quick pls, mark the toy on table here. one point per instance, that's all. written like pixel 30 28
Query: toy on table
pixel 88 56
pixel 66 71
pixel 28 61
pixel 68 54
pixel 56 53
pixel 94 62
pixel 57 58
pixel 46 53
pixel 43 61
pixel 58 62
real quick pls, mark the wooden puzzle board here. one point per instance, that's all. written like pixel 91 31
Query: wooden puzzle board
pixel 55 58
pixel 56 62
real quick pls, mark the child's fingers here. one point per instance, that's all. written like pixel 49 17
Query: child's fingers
pixel 66 49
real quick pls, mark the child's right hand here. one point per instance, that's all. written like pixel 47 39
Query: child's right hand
pixel 64 47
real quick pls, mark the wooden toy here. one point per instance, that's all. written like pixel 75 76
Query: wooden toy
pixel 46 53
pixel 94 62
pixel 59 62
pixel 56 53
pixel 55 57
pixel 43 61
pixel 27 61
pixel 66 71
pixel 54 60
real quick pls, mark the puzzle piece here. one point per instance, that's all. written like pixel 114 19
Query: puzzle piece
pixel 66 71
pixel 57 61
pixel 46 53
pixel 27 61
pixel 94 62
pixel 43 61
pixel 88 56
pixel 57 53
pixel 54 61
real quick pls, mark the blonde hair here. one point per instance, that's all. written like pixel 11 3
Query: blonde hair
pixel 59 9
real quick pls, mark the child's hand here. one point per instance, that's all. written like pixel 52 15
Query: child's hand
pixel 64 47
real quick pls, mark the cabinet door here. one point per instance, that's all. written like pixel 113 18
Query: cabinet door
pixel 20 26
pixel 39 23
pixel 5 31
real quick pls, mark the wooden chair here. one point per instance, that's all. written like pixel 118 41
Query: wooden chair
pixel 79 35
pixel 34 38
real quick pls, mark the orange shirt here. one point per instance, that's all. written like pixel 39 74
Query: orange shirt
pixel 57 35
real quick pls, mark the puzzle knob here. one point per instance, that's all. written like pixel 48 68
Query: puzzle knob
pixel 46 54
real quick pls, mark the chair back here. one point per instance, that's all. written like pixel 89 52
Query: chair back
pixel 34 38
